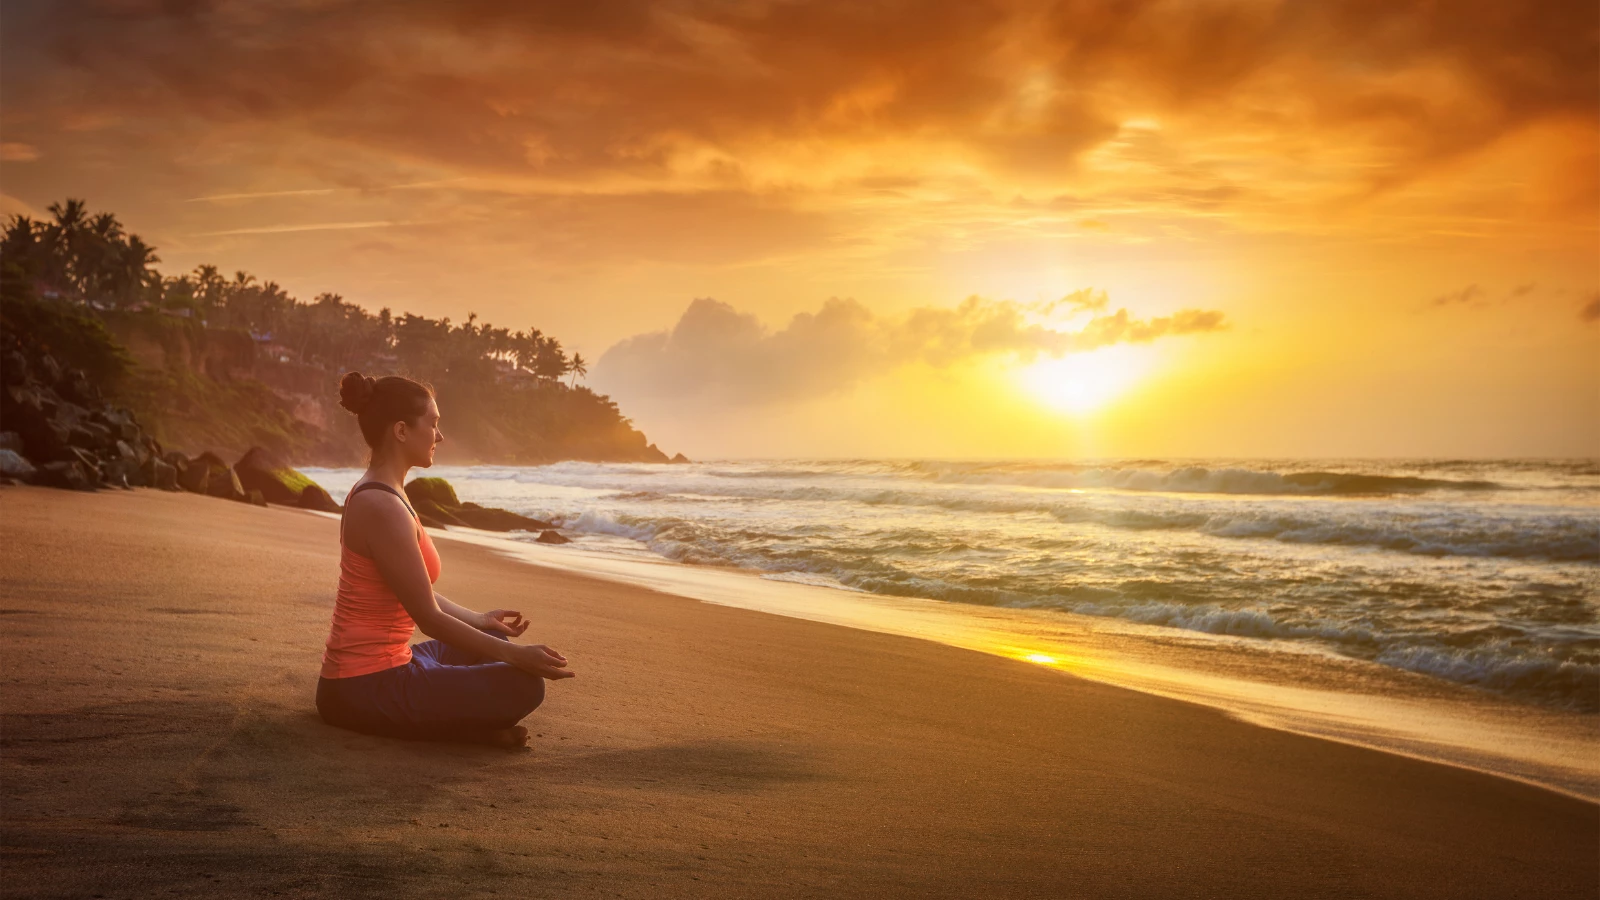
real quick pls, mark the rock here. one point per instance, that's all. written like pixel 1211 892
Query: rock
pixel 90 434
pixel 115 474
pixel 435 499
pixel 435 489
pixel 75 386
pixel 679 458
pixel 49 370
pixel 314 497
pixel 491 519
pixel 158 473
pixel 430 521
pixel 221 480
pixel 10 440
pixel 14 465
pixel 90 462
pixel 126 452
pixel 193 478
pixel 257 499
pixel 23 409
pixel 13 368
pixel 259 470
pixel 553 537
pixel 431 511
pixel 64 474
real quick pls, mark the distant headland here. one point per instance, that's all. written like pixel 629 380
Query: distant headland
pixel 206 363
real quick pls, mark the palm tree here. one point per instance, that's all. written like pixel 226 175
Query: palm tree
pixel 579 368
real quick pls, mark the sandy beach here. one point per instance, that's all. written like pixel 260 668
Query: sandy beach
pixel 160 655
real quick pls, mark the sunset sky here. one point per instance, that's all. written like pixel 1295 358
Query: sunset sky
pixel 1187 229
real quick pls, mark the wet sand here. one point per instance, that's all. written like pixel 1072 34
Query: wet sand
pixel 158 738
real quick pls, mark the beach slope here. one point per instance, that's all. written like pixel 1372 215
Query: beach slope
pixel 158 738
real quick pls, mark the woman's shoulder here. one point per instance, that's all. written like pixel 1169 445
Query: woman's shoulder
pixel 380 500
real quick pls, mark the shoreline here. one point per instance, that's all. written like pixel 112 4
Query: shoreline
pixel 159 737
pixel 1349 701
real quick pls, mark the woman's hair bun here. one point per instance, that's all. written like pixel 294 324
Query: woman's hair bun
pixel 355 391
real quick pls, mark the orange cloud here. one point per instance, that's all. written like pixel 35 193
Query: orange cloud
pixel 716 354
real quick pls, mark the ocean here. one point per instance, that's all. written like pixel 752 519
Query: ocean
pixel 1482 573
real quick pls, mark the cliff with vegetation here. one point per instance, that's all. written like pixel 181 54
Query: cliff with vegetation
pixel 207 362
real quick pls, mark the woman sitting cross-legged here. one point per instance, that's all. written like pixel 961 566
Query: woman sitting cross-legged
pixel 470 683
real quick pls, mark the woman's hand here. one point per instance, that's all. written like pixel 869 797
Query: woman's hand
pixel 537 659
pixel 508 622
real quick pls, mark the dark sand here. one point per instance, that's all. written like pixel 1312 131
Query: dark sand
pixel 158 738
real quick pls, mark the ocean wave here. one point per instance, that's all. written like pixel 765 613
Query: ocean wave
pixel 1497 666
pixel 1198 480
pixel 1573 684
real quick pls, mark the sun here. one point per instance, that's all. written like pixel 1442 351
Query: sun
pixel 1084 382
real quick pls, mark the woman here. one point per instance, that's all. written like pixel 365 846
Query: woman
pixel 470 683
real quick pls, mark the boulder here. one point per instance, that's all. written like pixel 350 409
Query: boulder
pixel 158 473
pixel 64 474
pixel 553 537
pixel 49 369
pixel 86 458
pixel 259 470
pixel 434 500
pixel 221 480
pixel 679 458
pixel 491 519
pixel 437 490
pixel 434 514
pixel 436 503
pixel 75 386
pixel 23 409
pixel 13 368
pixel 193 478
pixel 314 497
pixel 257 499
pixel 90 435
pixel 15 465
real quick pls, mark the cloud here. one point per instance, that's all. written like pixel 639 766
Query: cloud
pixel 1590 311
pixel 716 354
pixel 1193 106
pixel 287 229
pixel 13 151
pixel 1471 295
pixel 304 192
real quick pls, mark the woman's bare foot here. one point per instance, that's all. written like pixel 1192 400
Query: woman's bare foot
pixel 513 738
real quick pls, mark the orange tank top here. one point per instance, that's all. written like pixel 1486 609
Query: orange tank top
pixel 371 629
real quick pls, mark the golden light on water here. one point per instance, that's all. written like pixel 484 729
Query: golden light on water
pixel 1043 659
pixel 1085 382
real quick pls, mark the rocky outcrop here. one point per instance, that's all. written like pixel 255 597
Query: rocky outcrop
pixel 61 431
pixel 678 458
pixel 261 471
pixel 436 504
pixel 552 537
pixel 221 481
pixel 314 497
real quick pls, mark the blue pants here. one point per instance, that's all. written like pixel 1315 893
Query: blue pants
pixel 443 693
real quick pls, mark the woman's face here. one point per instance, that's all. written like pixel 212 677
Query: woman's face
pixel 418 440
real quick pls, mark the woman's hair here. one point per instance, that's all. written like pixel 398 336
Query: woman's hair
pixel 380 402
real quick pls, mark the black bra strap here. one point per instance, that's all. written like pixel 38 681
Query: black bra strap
pixel 383 487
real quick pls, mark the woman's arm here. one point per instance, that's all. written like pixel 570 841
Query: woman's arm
pixel 508 622
pixel 392 540
pixel 476 619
